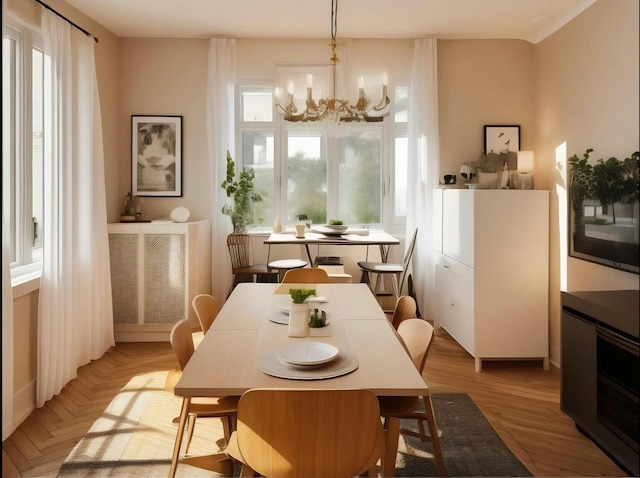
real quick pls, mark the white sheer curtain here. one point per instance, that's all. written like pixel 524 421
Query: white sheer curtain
pixel 7 308
pixel 423 167
pixel 221 131
pixel 75 320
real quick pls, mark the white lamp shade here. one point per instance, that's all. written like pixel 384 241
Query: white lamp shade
pixel 525 161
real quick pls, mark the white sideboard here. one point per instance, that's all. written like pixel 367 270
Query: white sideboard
pixel 491 259
pixel 156 271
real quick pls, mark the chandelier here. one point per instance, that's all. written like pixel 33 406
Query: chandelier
pixel 332 108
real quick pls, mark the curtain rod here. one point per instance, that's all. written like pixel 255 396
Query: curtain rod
pixel 67 20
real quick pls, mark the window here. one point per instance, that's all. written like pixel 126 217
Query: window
pixel 358 176
pixel 22 138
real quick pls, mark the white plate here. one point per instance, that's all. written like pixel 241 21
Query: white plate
pixel 269 364
pixel 180 214
pixel 307 353
pixel 315 299
pixel 331 230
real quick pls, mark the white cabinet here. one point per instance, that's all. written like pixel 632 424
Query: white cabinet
pixel 156 271
pixel 491 259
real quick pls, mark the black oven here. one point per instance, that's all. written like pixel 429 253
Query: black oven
pixel 617 385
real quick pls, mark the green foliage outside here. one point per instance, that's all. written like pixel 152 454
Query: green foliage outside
pixel 608 181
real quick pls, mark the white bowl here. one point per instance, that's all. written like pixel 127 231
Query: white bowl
pixel 337 227
pixel 307 353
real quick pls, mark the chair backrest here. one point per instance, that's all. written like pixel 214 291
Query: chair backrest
pixel 405 309
pixel 239 246
pixel 407 259
pixel 182 342
pixel 306 275
pixel 287 433
pixel 207 308
pixel 417 336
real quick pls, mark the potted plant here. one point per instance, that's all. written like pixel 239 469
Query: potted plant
pixel 243 193
pixel 299 312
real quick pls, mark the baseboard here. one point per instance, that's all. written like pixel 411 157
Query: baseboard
pixel 24 403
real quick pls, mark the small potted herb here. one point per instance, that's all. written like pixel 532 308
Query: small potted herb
pixel 318 319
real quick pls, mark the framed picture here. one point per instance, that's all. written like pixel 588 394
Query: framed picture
pixel 501 138
pixel 156 157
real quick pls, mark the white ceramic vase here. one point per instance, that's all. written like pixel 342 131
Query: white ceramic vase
pixel 299 315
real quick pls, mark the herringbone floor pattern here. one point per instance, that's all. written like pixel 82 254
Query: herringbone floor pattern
pixel 519 399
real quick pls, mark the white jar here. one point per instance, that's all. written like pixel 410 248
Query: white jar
pixel 277 226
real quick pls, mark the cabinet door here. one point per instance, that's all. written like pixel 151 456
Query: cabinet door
pixel 578 372
pixel 458 225
pixel 124 259
pixel 437 219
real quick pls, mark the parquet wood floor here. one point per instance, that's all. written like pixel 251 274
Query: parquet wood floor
pixel 519 399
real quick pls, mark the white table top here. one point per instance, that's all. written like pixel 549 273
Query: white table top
pixel 225 361
pixel 361 237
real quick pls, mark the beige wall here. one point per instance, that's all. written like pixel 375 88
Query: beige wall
pixel 587 97
pixel 482 82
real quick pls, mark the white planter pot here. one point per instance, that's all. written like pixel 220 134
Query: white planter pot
pixel 299 315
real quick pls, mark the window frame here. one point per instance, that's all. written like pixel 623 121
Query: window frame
pixel 26 260
pixel 390 222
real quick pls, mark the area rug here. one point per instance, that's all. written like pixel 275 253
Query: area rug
pixel 134 438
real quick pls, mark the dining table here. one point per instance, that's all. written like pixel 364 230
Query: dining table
pixel 240 351
pixel 350 237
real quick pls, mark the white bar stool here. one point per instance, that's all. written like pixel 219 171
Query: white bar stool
pixel 281 266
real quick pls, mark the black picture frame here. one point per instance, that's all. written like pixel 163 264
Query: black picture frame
pixel 156 156
pixel 501 138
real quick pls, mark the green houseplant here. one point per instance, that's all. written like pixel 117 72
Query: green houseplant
pixel 243 194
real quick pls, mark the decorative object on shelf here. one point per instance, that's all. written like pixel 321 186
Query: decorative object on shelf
pixel 604 200
pixel 449 178
pixel 243 193
pixel 156 162
pixel 501 138
pixel 180 214
pixel 277 226
pixel 333 108
pixel 468 171
pixel 525 169
pixel 132 209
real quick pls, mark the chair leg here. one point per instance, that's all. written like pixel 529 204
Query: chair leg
pixel 184 412
pixel 191 424
pixel 435 440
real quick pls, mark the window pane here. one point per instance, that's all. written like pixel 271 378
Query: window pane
pixel 307 178
pixel 401 105
pixel 257 104
pixel 359 180
pixel 37 157
pixel 257 153
pixel 9 95
pixel 400 184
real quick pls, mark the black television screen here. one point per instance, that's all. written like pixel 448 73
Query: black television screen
pixel 603 211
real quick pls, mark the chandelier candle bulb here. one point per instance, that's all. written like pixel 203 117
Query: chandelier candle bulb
pixel 290 88
pixel 361 87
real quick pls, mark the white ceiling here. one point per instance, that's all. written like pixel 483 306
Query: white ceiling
pixel 530 20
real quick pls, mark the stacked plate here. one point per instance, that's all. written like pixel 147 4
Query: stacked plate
pixel 307 354
pixel 331 230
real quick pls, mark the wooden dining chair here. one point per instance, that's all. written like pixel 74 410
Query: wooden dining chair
pixel 207 308
pixel 405 309
pixel 398 272
pixel 334 433
pixel 308 275
pixel 223 407
pixel 416 336
pixel 243 270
